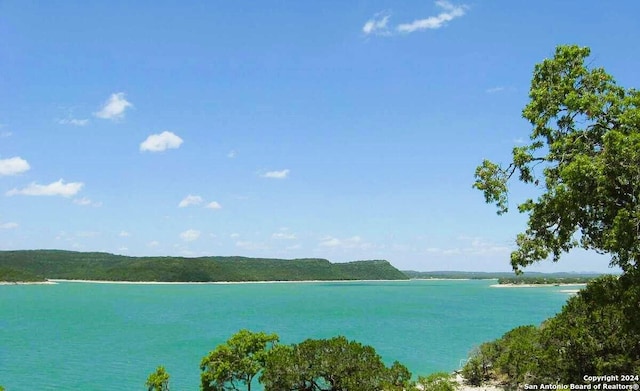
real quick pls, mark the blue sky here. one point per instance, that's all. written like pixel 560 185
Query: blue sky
pixel 341 130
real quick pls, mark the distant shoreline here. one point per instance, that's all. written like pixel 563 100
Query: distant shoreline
pixel 60 280
pixel 55 281
pixel 48 282
pixel 449 279
pixel 536 285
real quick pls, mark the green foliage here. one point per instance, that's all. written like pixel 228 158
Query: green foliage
pixel 158 380
pixel 331 365
pixel 237 361
pixel 16 275
pixel 479 366
pixel 439 381
pixel 54 264
pixel 545 280
pixel 595 334
pixel 535 277
pixel 585 156
pixel 512 359
pixel 518 355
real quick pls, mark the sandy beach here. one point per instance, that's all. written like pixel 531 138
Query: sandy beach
pixel 48 282
pixel 214 282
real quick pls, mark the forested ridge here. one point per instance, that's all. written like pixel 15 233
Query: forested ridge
pixel 34 265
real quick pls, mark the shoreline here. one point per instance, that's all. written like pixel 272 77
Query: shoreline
pixel 48 282
pixel 537 285
pixel 56 280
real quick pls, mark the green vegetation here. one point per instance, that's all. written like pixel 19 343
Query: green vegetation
pixel 456 275
pixel 510 360
pixel 534 276
pixel 331 364
pixel 596 333
pixel 334 364
pixel 8 274
pixel 237 361
pixel 71 265
pixel 158 380
pixel 439 381
pixel 586 143
pixel 518 280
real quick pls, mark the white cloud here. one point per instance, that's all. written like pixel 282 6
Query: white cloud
pixel 377 25
pixel 283 235
pixel 493 90
pixel 234 235
pixel 13 166
pixel 276 174
pixel 153 243
pixel 5 134
pixel 213 205
pixel 124 234
pixel 58 188
pixel 73 121
pixel 190 235
pixel 190 200
pixel 8 225
pixel 449 13
pixel 352 242
pixel 231 154
pixel 84 201
pixel 114 107
pixel 160 142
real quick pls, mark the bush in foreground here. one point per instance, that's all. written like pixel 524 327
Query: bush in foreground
pixel 334 364
pixel 596 333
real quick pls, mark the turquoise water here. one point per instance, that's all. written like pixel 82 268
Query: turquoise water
pixel 82 336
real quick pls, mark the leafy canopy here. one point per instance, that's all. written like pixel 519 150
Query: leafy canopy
pixel 236 362
pixel 158 380
pixel 334 364
pixel 584 155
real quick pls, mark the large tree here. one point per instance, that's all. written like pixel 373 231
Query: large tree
pixel 584 156
pixel 234 364
pixel 334 364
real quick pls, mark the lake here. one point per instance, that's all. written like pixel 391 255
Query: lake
pixel 85 336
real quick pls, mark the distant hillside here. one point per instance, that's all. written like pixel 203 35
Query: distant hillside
pixel 498 275
pixel 14 275
pixel 58 264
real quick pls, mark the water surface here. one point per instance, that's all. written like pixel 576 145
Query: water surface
pixel 83 336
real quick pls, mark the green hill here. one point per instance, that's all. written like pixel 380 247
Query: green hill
pixel 58 264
